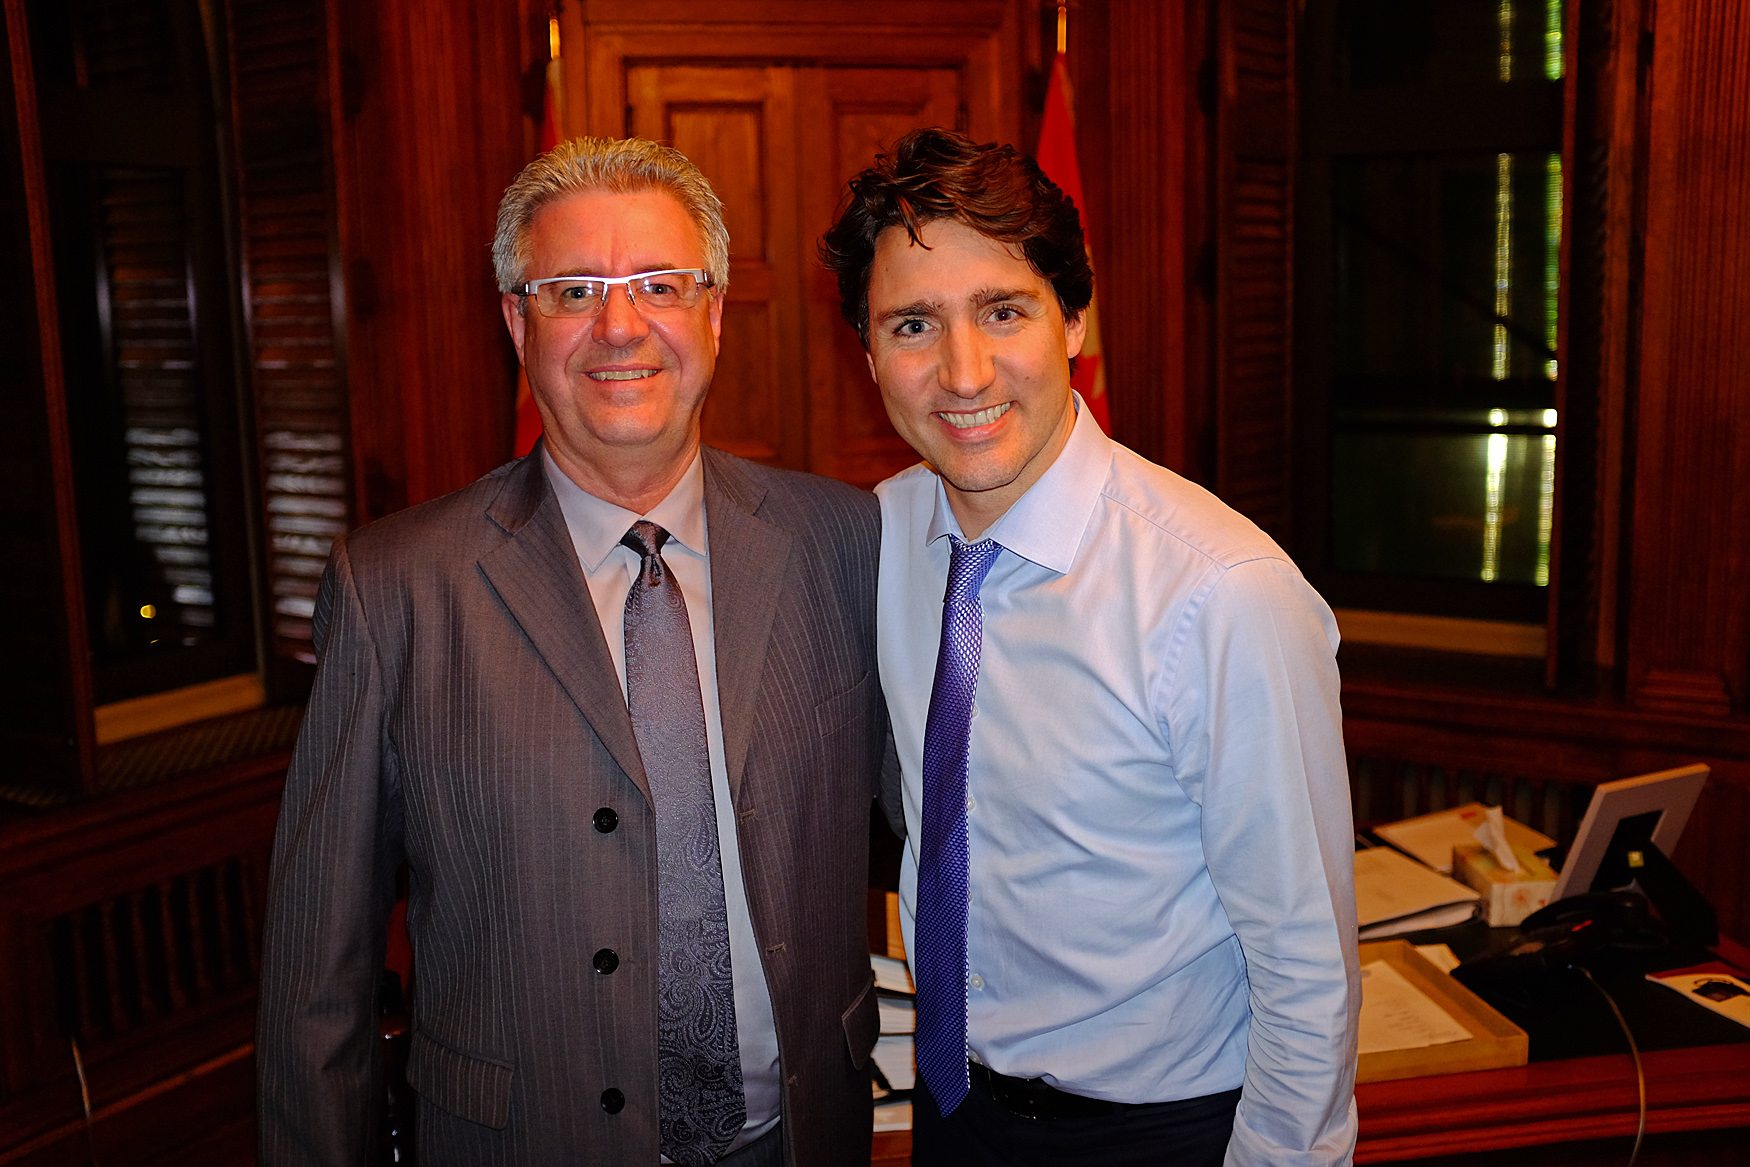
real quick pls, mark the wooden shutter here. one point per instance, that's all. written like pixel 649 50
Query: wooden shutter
pixel 279 79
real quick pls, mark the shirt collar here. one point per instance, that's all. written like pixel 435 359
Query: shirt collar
pixel 1045 525
pixel 597 526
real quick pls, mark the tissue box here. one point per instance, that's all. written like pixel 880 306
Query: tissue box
pixel 1508 896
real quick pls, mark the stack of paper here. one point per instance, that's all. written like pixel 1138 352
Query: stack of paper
pixel 895 1062
pixel 1395 894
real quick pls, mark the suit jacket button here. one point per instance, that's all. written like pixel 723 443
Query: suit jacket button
pixel 606 820
pixel 606 960
pixel 613 1101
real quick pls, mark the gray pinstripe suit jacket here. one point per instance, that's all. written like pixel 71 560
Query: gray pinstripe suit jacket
pixel 466 718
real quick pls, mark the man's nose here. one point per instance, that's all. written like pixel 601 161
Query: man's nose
pixel 967 367
pixel 620 322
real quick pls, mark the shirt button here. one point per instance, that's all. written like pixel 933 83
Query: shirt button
pixel 606 960
pixel 976 981
pixel 606 820
pixel 613 1101
pixel 971 803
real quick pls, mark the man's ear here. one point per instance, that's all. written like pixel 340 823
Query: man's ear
pixel 513 306
pixel 1075 333
pixel 870 357
pixel 716 297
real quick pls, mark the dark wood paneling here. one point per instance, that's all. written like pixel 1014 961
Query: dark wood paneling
pixel 1140 142
pixel 45 714
pixel 1254 198
pixel 1688 600
pixel 431 130
pixel 132 926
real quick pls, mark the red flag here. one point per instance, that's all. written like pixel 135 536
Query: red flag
pixel 1057 158
pixel 528 418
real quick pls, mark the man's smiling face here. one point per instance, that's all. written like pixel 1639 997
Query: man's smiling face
pixel 971 350
pixel 624 384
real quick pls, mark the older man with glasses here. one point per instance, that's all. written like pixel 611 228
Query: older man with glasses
pixel 614 708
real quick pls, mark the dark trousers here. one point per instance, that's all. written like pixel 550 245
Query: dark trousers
pixel 980 1133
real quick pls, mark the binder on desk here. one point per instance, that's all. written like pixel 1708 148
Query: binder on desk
pixel 1395 894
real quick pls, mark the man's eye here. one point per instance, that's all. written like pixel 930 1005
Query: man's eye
pixel 911 327
pixel 577 293
pixel 657 290
pixel 1003 313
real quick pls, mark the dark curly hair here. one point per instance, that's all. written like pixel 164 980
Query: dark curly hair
pixel 935 174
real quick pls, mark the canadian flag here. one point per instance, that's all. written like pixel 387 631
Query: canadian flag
pixel 1057 158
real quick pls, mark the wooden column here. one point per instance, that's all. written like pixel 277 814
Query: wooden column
pixel 1688 601
pixel 431 130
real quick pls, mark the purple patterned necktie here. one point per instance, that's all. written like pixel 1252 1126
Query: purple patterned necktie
pixel 939 965
pixel 698 1056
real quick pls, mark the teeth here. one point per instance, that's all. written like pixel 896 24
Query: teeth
pixel 622 374
pixel 966 421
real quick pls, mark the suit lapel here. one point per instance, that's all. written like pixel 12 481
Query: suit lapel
pixel 749 562
pixel 535 573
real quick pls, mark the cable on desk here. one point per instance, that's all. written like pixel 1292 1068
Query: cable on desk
pixel 1634 1051
pixel 85 1102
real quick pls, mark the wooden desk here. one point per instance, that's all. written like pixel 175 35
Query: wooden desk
pixel 1576 1111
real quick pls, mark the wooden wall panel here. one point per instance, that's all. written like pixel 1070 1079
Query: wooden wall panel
pixel 132 926
pixel 1688 603
pixel 431 129
pixel 1254 262
pixel 45 713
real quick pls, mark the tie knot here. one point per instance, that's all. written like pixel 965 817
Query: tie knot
pixel 968 564
pixel 646 538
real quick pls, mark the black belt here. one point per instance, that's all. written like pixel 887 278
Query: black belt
pixel 1037 1098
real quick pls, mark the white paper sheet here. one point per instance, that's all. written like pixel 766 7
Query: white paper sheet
pixel 893 1056
pixel 1395 1014
pixel 898 1014
pixel 891 974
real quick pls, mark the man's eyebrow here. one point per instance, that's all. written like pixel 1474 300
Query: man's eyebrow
pixel 915 308
pixel 586 273
pixel 986 296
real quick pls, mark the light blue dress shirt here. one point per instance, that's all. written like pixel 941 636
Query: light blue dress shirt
pixel 596 528
pixel 1162 901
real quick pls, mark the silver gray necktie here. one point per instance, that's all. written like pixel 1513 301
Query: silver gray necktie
pixel 698 1056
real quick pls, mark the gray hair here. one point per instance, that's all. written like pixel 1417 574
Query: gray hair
pixel 620 165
